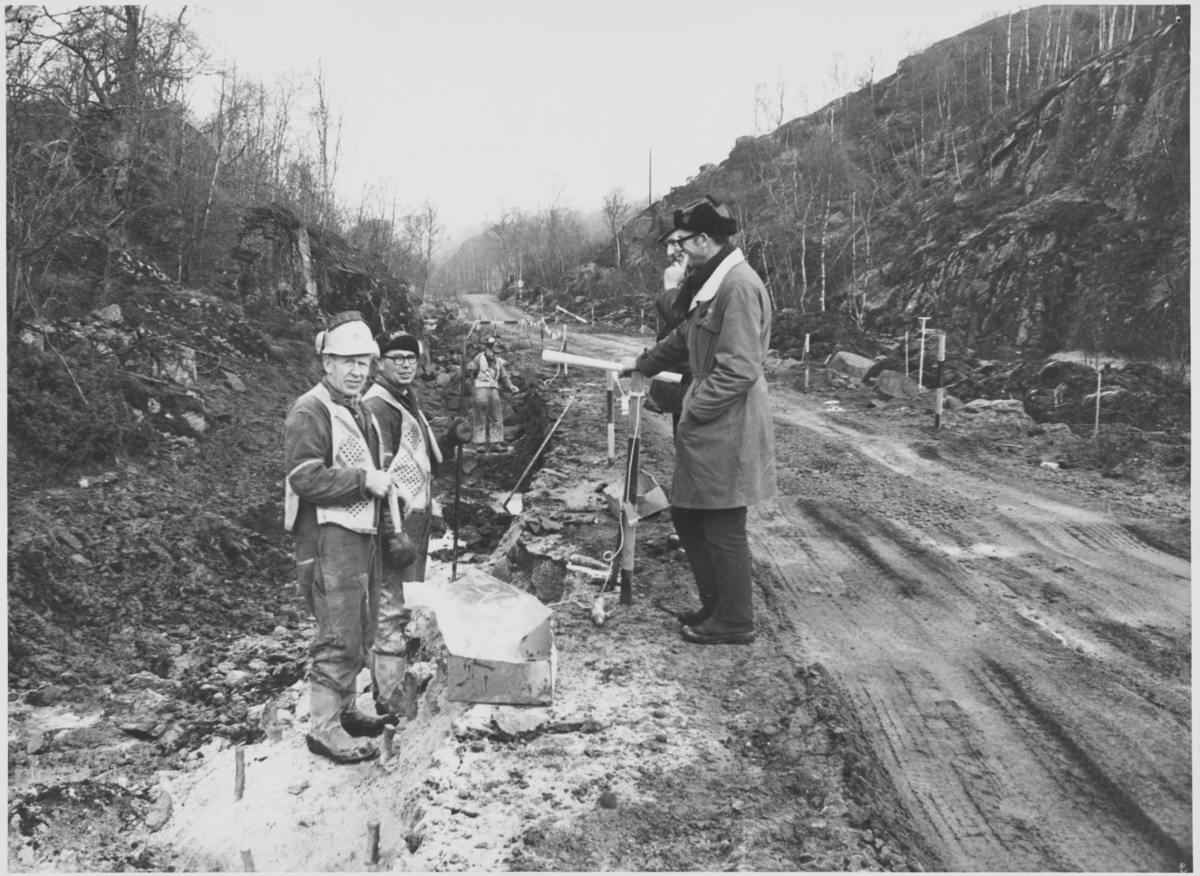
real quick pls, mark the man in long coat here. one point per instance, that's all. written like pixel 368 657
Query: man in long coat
pixel 411 452
pixel 725 441
pixel 331 506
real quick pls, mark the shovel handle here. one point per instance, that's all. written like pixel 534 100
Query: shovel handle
pixel 394 506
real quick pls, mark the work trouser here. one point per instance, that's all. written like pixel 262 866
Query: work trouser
pixel 394 615
pixel 388 662
pixel 341 587
pixel 487 415
pixel 719 553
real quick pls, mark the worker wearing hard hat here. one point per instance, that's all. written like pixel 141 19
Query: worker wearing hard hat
pixel 412 452
pixel 334 480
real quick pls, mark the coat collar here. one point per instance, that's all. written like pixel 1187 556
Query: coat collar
pixel 713 283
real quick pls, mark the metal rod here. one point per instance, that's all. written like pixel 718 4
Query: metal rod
pixel 535 456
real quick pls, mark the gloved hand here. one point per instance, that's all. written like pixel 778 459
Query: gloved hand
pixel 378 483
pixel 628 365
pixel 463 430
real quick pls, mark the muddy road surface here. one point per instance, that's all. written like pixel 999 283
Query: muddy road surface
pixel 1018 658
pixel 486 307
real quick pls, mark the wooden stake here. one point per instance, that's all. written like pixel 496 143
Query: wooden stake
pixel 239 782
pixel 807 366
pixel 1099 378
pixel 372 842
pixel 921 360
pixel 385 750
pixel 247 861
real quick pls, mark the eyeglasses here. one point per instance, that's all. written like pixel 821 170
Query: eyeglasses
pixel 678 241
pixel 403 358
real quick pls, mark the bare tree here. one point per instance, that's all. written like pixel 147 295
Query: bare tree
pixel 617 210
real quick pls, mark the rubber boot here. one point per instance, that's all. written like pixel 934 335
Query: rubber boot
pixel 326 735
pixel 389 671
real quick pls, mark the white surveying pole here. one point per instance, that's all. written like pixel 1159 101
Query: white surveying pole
pixel 937 417
pixel 921 360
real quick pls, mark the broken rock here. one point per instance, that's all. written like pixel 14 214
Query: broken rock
pixel 850 364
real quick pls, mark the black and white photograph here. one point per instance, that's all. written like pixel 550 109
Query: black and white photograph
pixel 531 435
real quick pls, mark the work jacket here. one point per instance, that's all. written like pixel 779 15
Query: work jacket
pixel 409 447
pixel 320 487
pixel 490 376
pixel 725 442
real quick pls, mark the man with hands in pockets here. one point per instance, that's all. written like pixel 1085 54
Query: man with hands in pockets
pixel 725 441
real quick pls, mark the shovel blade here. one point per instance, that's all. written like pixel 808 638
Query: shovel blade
pixel 514 505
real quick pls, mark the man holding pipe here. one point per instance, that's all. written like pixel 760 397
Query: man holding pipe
pixel 412 454
pixel 725 441
pixel 331 506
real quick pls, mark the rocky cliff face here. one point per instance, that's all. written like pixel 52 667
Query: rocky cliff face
pixel 1057 220
pixel 1079 234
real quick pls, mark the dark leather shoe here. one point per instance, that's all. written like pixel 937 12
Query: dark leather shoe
pixel 357 724
pixel 366 751
pixel 713 632
pixel 694 618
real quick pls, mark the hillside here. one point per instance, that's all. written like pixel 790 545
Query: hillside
pixel 1045 214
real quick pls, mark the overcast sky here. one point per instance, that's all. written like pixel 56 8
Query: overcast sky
pixel 479 104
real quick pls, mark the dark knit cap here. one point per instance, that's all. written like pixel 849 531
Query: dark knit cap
pixel 708 216
pixel 390 342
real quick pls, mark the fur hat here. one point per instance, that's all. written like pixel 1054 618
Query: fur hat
pixel 390 342
pixel 708 216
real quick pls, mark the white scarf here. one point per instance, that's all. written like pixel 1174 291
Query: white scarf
pixel 713 283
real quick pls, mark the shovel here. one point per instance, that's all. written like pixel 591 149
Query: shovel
pixel 514 505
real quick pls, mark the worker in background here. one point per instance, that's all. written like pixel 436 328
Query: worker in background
pixel 411 453
pixel 332 489
pixel 490 373
pixel 725 442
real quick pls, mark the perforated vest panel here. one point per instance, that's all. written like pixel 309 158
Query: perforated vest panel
pixel 350 451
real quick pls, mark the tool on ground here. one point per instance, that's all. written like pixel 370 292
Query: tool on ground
pixel 603 364
pixel 403 551
pixel 514 505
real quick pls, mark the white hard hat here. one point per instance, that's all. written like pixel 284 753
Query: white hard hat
pixel 351 337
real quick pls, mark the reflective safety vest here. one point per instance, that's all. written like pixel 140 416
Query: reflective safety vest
pixel 350 450
pixel 411 459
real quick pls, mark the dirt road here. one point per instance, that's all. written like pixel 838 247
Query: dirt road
pixel 475 307
pixel 1019 661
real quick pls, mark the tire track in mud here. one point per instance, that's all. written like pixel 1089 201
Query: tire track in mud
pixel 931 644
pixel 1002 650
